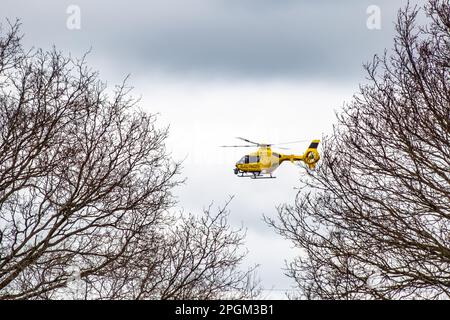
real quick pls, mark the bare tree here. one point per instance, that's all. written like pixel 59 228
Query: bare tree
pixel 86 188
pixel 199 259
pixel 374 220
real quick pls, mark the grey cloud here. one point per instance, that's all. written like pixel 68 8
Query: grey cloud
pixel 299 39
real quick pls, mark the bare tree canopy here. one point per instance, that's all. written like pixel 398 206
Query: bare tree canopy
pixel 85 189
pixel 374 220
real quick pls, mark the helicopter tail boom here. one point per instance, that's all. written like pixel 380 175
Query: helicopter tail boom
pixel 310 157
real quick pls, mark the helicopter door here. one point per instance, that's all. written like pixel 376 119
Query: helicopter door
pixel 253 159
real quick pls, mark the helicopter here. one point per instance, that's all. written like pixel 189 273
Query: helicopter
pixel 262 163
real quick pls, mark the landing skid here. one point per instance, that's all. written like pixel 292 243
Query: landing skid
pixel 255 175
pixel 262 177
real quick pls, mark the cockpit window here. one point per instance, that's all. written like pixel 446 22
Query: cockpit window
pixel 249 159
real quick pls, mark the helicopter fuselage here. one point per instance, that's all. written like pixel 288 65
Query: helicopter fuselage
pixel 263 161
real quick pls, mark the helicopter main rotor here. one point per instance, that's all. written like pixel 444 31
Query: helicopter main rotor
pixel 258 144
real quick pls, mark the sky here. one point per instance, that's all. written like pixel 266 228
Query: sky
pixel 267 70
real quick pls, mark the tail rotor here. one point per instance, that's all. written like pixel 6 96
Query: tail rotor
pixel 311 155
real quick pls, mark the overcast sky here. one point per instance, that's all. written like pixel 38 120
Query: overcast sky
pixel 214 69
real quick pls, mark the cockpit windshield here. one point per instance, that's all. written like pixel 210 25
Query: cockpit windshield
pixel 242 160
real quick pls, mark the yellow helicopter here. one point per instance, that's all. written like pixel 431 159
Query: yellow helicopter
pixel 263 162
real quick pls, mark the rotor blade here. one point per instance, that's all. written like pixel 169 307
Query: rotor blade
pixel 252 146
pixel 283 148
pixel 246 140
pixel 280 143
